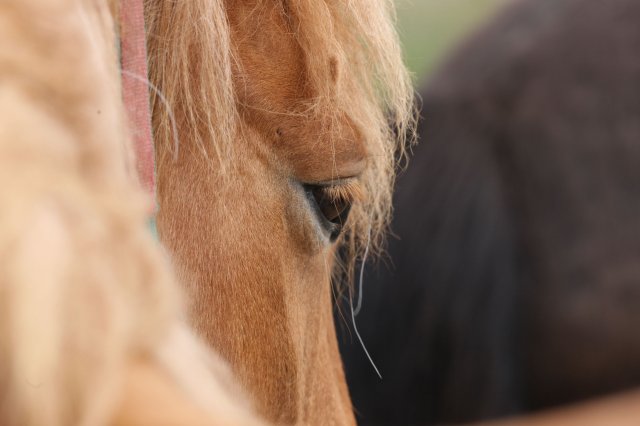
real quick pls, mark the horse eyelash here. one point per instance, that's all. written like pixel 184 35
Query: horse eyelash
pixel 348 191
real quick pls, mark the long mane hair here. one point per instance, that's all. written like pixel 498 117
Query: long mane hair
pixel 193 69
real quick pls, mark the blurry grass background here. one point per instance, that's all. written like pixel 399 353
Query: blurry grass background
pixel 429 29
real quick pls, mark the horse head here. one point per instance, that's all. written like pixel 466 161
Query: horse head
pixel 284 153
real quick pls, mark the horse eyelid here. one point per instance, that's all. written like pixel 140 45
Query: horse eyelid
pixel 349 190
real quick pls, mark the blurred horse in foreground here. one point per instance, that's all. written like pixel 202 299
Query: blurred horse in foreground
pixel 92 328
pixel 514 283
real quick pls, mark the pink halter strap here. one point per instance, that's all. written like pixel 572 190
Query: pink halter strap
pixel 135 91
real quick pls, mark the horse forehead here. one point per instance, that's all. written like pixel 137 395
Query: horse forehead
pixel 318 151
pixel 270 69
pixel 258 18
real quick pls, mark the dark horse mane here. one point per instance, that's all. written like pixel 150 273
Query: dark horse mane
pixel 515 278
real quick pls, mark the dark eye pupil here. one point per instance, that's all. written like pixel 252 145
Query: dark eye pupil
pixel 332 210
pixel 335 211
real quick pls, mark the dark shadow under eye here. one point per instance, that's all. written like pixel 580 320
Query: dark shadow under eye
pixel 332 211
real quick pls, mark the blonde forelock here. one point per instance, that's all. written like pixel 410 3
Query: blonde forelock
pixel 193 69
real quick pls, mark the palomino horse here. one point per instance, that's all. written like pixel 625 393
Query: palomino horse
pixel 271 120
pixel 515 283
pixel 283 112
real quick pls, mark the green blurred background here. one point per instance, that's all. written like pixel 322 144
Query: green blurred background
pixel 429 29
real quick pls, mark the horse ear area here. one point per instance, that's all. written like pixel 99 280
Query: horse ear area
pixel 150 397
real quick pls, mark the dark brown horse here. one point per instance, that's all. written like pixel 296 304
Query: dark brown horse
pixel 514 284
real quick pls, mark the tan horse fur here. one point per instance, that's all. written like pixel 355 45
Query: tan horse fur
pixel 267 95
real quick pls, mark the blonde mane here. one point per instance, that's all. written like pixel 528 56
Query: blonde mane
pixel 193 69
pixel 200 89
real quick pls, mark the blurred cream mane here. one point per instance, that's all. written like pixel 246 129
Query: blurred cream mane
pixel 86 294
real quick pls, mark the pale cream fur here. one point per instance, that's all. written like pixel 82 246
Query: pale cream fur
pixel 90 316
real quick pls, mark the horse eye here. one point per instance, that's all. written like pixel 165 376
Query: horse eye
pixel 331 206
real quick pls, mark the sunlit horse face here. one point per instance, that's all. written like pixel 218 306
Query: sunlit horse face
pixel 256 245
